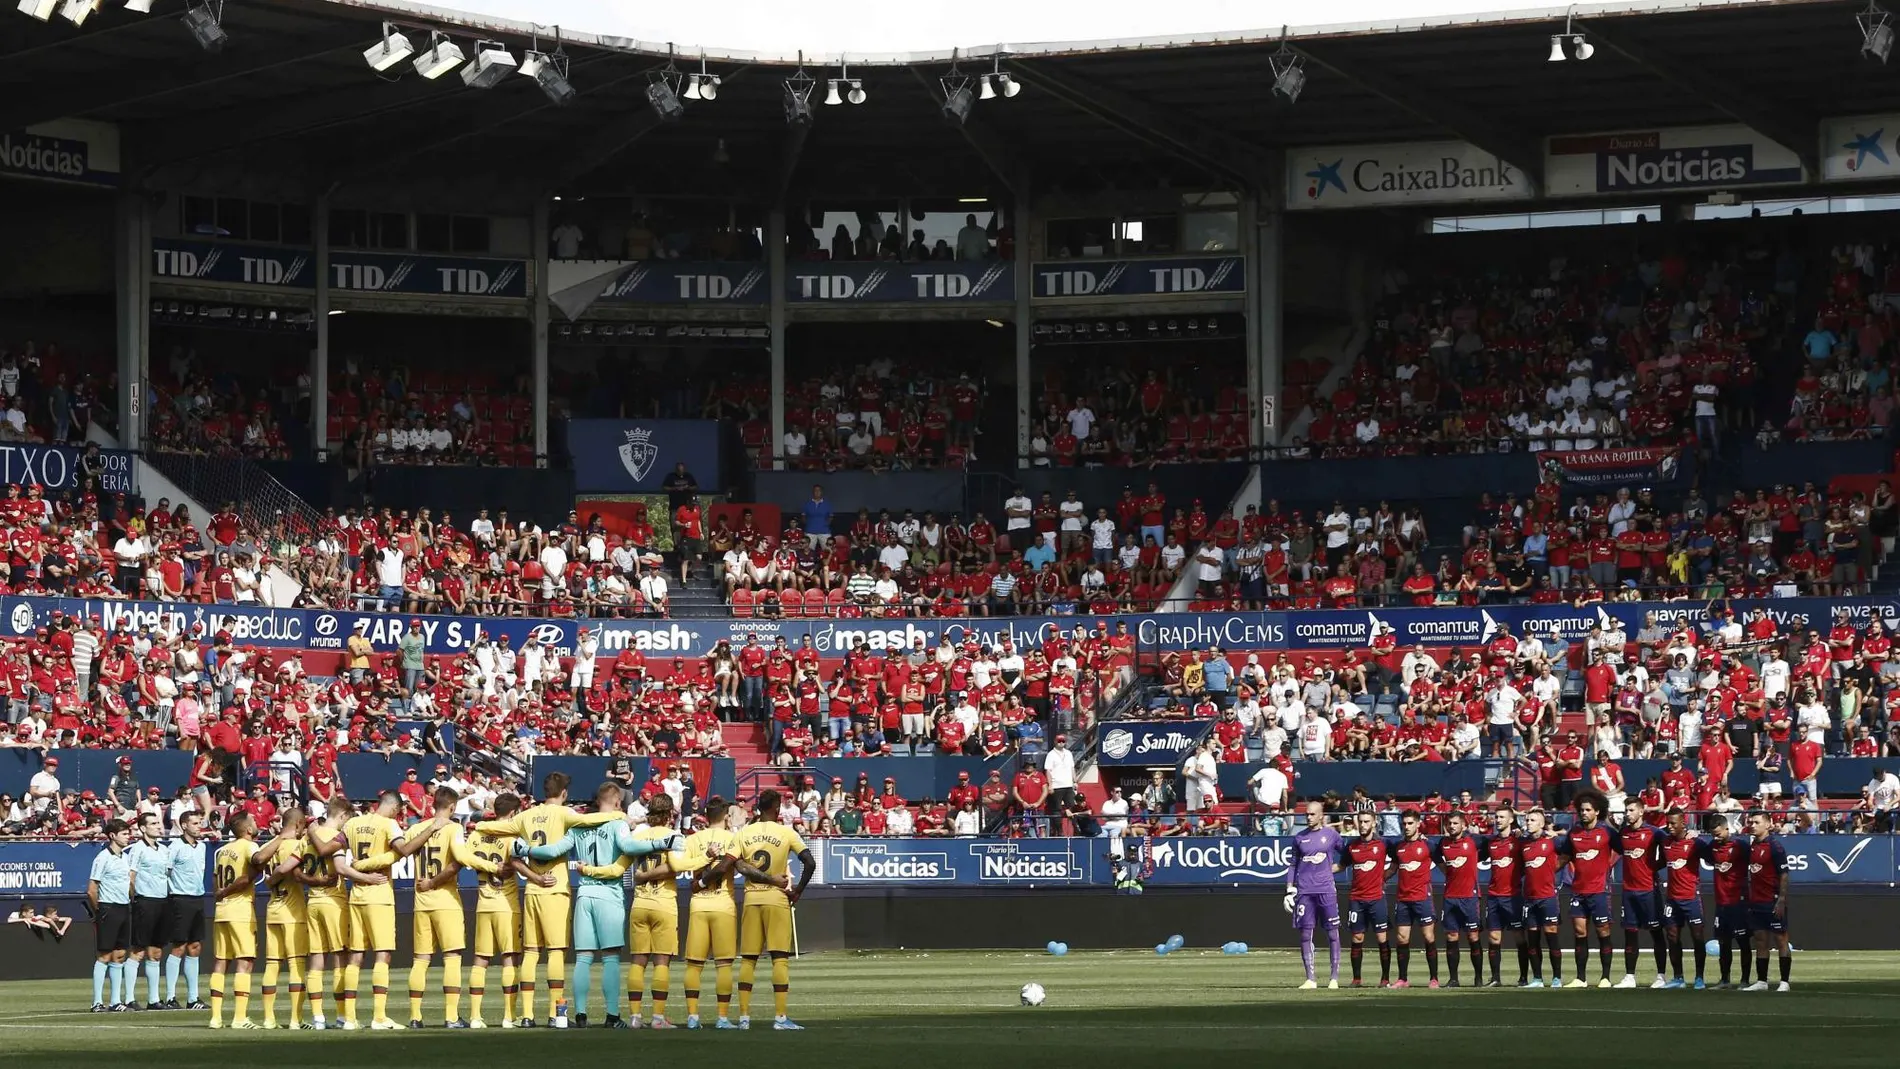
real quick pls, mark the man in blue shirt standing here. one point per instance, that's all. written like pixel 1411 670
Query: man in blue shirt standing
pixel 1217 676
pixel 186 911
pixel 151 861
pixel 818 519
pixel 109 893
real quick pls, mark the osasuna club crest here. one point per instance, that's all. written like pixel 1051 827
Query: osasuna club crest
pixel 638 453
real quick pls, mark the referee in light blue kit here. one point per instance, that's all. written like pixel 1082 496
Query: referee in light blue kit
pixel 109 893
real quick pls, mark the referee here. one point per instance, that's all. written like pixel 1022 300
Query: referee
pixel 151 858
pixel 109 893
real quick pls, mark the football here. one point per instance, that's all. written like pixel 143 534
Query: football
pixel 1033 994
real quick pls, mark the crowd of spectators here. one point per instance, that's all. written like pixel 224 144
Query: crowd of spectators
pixel 399 415
pixel 48 396
pixel 1845 389
pixel 879 416
pixel 1186 405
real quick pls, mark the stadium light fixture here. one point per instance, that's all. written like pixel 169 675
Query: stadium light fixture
pixel 957 95
pixel 491 64
pixel 549 71
pixel 797 97
pixel 1289 71
pixel 442 56
pixel 39 9
pixel 77 11
pixel 663 91
pixel 1876 34
pixel 139 7
pixel 391 50
pixel 205 20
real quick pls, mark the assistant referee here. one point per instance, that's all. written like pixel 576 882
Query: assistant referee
pixel 109 892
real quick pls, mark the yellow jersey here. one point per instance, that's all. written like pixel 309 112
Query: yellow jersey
pixel 230 866
pixel 496 891
pixel 287 899
pixel 436 857
pixel 702 848
pixel 767 846
pixel 366 837
pixel 661 895
pixel 320 868
pixel 541 825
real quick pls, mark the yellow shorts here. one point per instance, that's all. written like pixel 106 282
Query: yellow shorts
pixel 232 940
pixel 545 920
pixel 372 928
pixel 765 928
pixel 497 934
pixel 712 935
pixel 326 926
pixel 440 931
pixel 653 931
pixel 286 941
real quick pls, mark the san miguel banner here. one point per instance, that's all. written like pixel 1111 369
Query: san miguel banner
pixel 1652 465
pixel 283 267
pixel 1861 148
pixel 881 282
pixel 622 456
pixel 1174 276
pixel 1153 743
pixel 1691 157
pixel 1428 172
pixel 683 282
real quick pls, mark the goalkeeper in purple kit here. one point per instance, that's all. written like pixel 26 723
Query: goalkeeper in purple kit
pixel 1312 896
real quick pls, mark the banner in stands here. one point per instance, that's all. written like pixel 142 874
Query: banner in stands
pixel 935 281
pixel 621 456
pixel 1316 629
pixel 65 150
pixel 1150 742
pixel 1647 465
pixel 1191 861
pixel 56 467
pixel 1690 157
pixel 1860 148
pixel 1419 172
pixel 1179 276
pixel 680 282
pixel 283 267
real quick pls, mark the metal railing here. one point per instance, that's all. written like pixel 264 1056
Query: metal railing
pixel 212 473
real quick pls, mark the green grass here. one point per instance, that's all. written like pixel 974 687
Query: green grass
pixel 896 1010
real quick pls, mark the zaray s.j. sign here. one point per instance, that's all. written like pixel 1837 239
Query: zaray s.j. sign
pixel 1428 172
pixel 1690 157
pixel 282 267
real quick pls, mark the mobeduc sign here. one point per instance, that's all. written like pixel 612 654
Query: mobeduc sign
pixel 1691 157
pixel 1176 276
pixel 1428 172
pixel 282 267
pixel 1860 148
pixel 880 282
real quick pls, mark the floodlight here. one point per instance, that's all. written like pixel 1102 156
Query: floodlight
pixel 549 71
pixel 442 57
pixel 1876 34
pixel 491 64
pixel 204 22
pixel 797 98
pixel 391 50
pixel 139 7
pixel 39 9
pixel 957 103
pixel 77 11
pixel 664 101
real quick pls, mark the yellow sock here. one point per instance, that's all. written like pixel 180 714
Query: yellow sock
pixel 662 982
pixel 477 985
pixel 296 992
pixel 530 965
pixel 557 980
pixel 217 997
pixel 418 979
pixel 747 969
pixel 379 990
pixel 636 990
pixel 241 1005
pixel 781 985
pixel 510 990
pixel 350 981
pixel 271 970
pixel 722 984
pixel 314 988
pixel 692 988
pixel 345 978
pixel 451 987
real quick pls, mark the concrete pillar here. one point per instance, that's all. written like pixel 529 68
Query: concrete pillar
pixel 538 234
pixel 776 280
pixel 320 352
pixel 132 242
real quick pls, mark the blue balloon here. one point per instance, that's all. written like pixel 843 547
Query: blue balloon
pixel 1161 948
pixel 1051 946
pixel 1240 948
pixel 1175 942
pixel 1061 949
pixel 1713 948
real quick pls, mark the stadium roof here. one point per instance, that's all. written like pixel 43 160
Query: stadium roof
pixel 289 105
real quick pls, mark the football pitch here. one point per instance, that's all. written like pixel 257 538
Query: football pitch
pixel 915 1010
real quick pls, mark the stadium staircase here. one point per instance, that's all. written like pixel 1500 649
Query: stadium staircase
pixel 699 598
pixel 746 745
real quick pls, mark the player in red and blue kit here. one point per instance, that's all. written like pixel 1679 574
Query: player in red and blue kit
pixel 1312 896
pixel 1640 846
pixel 1412 863
pixel 1457 856
pixel 1504 911
pixel 1767 900
pixel 1683 853
pixel 1365 901
pixel 1591 848
pixel 1537 865
pixel 1728 856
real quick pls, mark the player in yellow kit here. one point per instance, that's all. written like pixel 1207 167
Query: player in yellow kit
pixel 497 915
pixel 439 923
pixel 286 920
pixel 375 841
pixel 327 908
pixel 234 923
pixel 765 847
pixel 547 908
pixel 712 931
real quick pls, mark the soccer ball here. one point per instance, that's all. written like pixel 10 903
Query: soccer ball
pixel 1033 994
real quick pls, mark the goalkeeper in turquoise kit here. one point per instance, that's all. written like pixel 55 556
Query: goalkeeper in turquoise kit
pixel 600 904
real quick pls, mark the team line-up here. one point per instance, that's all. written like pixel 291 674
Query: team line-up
pixel 332 910
pixel 1661 876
